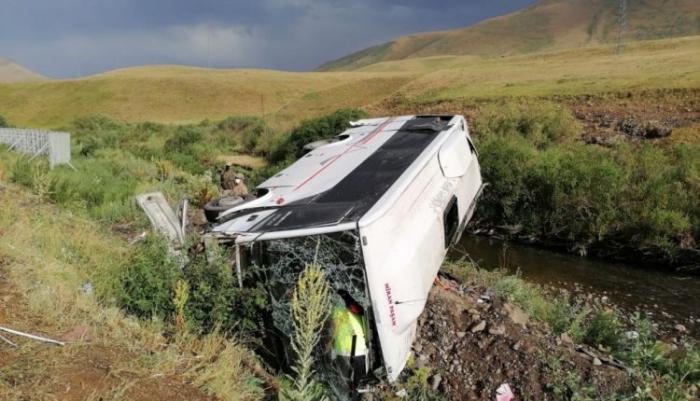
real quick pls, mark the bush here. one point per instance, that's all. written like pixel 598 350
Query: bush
pixel 147 280
pixel 603 329
pixel 542 124
pixel 183 139
pixel 608 200
pixel 3 122
pixel 96 124
pixel 216 300
pixel 249 129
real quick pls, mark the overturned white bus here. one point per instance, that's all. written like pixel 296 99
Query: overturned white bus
pixel 377 209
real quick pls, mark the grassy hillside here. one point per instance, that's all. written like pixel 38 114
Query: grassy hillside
pixel 13 72
pixel 181 94
pixel 551 24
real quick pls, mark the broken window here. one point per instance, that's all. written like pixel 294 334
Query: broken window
pixel 340 256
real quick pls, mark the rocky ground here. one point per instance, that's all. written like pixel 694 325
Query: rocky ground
pixel 476 342
pixel 634 119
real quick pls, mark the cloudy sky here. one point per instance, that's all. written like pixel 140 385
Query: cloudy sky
pixel 69 38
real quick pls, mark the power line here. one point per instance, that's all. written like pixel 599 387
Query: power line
pixel 621 26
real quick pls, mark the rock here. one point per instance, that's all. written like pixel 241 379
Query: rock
pixel 680 328
pixel 497 331
pixel 402 393
pixel 597 362
pixel 478 327
pixel 517 315
pixel 435 382
pixel 604 299
pixel 461 334
pixel 418 348
pixel 516 346
pixel 565 339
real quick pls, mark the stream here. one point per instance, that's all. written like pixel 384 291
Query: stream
pixel 667 297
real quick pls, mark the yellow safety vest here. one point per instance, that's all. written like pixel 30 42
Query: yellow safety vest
pixel 346 325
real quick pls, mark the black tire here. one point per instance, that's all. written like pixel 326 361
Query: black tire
pixel 214 208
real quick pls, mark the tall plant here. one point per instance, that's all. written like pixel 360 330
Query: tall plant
pixel 310 310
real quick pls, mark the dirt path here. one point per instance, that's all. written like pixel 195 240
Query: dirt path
pixel 85 369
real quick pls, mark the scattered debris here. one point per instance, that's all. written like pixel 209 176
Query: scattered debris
pixel 601 360
pixel 504 393
pixel 86 288
pixel 31 336
pixel 8 341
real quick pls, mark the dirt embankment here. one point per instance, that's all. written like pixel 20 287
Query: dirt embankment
pixel 635 118
pixel 476 342
pixel 606 120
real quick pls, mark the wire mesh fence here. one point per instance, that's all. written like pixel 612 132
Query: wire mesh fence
pixel 55 145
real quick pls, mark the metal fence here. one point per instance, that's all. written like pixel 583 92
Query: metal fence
pixel 56 145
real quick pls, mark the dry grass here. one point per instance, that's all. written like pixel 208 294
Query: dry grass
pixel 170 94
pixel 644 66
pixel 179 94
pixel 46 254
pixel 548 25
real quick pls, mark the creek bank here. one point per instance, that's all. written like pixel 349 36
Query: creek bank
pixel 686 260
pixel 664 297
pixel 473 341
pixel 470 341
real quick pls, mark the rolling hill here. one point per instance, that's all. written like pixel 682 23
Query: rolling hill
pixel 549 25
pixel 172 94
pixel 13 72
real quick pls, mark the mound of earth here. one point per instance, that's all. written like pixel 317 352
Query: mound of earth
pixel 474 342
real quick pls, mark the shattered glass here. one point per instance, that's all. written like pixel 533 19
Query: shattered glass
pixel 340 256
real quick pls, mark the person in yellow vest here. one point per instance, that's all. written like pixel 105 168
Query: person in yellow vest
pixel 349 336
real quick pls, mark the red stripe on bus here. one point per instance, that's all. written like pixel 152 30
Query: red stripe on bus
pixel 365 141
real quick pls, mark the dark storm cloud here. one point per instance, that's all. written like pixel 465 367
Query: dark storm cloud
pixel 66 38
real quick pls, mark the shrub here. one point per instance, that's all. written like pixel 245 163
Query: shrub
pixel 3 122
pixel 249 129
pixel 603 329
pixel 147 280
pixel 587 197
pixel 542 124
pixel 182 140
pixel 96 124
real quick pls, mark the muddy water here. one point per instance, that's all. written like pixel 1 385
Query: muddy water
pixel 670 297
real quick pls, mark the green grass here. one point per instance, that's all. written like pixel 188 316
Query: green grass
pixel 47 253
pixel 609 201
